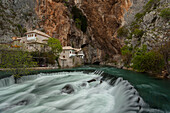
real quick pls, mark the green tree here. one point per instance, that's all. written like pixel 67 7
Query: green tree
pixel 127 54
pixel 148 61
pixel 56 49
pixel 55 45
pixel 18 62
pixel 165 51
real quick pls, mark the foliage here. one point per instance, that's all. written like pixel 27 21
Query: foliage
pixel 165 51
pixel 55 45
pixel 149 5
pixel 148 61
pixel 21 29
pixel 141 51
pixel 139 16
pixel 78 23
pixel 138 32
pixel 122 32
pixel 56 48
pixel 17 61
pixel 51 58
pixel 126 49
pixel 127 54
pixel 129 36
pixel 80 19
pixel 165 13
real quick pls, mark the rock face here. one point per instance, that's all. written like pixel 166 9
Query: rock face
pixel 16 16
pixel 154 27
pixel 104 17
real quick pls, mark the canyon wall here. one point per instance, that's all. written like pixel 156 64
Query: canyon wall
pixel 66 20
pixel 104 17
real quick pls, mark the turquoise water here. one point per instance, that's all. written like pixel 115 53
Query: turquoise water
pixel 155 92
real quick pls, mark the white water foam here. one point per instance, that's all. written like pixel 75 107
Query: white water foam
pixel 42 93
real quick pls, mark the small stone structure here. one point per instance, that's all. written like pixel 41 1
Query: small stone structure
pixel 71 57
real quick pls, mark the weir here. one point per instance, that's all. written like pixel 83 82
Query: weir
pixel 70 92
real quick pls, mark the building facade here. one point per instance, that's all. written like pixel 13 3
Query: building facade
pixel 34 41
pixel 71 57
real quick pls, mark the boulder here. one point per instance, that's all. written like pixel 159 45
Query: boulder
pixel 67 89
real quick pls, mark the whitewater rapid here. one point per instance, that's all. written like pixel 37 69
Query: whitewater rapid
pixel 42 93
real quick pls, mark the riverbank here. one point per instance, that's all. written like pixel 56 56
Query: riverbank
pixel 163 75
pixel 34 68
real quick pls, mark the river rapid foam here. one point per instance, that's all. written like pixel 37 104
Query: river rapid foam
pixel 70 92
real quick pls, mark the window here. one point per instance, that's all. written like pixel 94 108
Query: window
pixel 63 56
pixel 70 52
pixel 35 35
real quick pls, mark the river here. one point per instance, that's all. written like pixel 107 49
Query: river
pixel 87 89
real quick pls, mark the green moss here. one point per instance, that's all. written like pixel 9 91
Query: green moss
pixel 165 13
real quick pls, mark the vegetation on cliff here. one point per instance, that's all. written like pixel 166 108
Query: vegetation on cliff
pixel 18 61
pixel 165 13
pixel 79 18
pixel 145 61
pixel 146 39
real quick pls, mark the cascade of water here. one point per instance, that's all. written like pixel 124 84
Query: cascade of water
pixel 7 81
pixel 70 92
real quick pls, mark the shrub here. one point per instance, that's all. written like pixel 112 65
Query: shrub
pixel 19 62
pixel 165 13
pixel 149 5
pixel 129 36
pixel 122 32
pixel 78 23
pixel 139 16
pixel 150 61
pixel 127 54
pixel 138 33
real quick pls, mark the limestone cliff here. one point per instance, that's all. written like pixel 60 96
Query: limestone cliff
pixel 90 24
pixel 104 18
pixel 16 17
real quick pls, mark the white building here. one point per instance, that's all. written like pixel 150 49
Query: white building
pixel 36 40
pixel 33 41
pixel 71 57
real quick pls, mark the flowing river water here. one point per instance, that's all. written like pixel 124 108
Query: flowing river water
pixel 81 90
